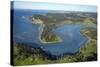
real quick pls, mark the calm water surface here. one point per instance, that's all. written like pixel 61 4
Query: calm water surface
pixel 26 32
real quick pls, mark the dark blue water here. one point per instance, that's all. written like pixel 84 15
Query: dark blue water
pixel 28 33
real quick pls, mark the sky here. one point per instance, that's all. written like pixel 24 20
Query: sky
pixel 53 6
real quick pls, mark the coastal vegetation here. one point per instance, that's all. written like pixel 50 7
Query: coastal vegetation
pixel 47 36
pixel 25 55
pixel 54 20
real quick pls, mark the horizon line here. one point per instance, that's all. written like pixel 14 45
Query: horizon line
pixel 52 6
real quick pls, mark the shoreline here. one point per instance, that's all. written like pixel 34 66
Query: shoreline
pixel 88 41
pixel 42 25
pixel 44 42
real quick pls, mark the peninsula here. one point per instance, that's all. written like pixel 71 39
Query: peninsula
pixel 50 21
pixel 46 33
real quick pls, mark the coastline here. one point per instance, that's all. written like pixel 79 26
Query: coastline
pixel 41 30
pixel 41 27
